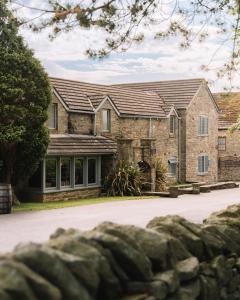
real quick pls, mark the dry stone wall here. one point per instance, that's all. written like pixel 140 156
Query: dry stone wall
pixel 171 259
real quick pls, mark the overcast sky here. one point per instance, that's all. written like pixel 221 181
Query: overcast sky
pixel 150 61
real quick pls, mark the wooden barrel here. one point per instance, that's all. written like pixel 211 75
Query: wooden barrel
pixel 5 198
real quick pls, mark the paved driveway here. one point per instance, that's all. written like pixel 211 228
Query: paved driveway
pixel 37 226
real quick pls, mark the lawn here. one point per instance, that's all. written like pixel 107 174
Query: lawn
pixel 70 203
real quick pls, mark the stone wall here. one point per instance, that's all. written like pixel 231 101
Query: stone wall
pixel 114 128
pixel 80 123
pixel 229 159
pixel 197 145
pixel 171 259
pixel 139 129
pixel 88 192
pixel 229 168
pixel 62 117
pixel 232 143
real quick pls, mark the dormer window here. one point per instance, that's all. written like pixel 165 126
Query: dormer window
pixel 52 116
pixel 106 120
pixel 172 125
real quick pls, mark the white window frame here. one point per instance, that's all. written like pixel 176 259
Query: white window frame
pixel 203 165
pixel 203 125
pixel 108 121
pixel 172 128
pixel 72 185
pixel 222 146
pixel 52 114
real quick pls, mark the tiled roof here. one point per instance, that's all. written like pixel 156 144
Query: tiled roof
pixel 174 92
pixel 96 99
pixel 77 95
pixel 74 144
pixel 229 104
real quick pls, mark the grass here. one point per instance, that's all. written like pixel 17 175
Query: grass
pixel 33 206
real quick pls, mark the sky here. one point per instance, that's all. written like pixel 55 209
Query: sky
pixel 152 60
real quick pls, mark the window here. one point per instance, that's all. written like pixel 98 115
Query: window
pixel 52 116
pixel 172 166
pixel 172 124
pixel 203 125
pixel 203 164
pixel 69 173
pixel 51 173
pixel 92 170
pixel 106 119
pixel 222 143
pixel 65 172
pixel 79 171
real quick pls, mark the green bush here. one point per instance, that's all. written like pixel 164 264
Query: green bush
pixel 125 179
pixel 161 175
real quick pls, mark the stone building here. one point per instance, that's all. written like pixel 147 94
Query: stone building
pixel 198 134
pixel 228 143
pixel 92 125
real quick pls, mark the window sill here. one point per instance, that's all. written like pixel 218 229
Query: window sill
pixel 203 174
pixel 203 135
pixel 172 135
pixel 48 191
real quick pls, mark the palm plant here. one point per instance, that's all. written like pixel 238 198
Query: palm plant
pixel 125 179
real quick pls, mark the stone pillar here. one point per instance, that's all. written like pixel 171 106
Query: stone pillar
pixel 196 188
pixel 153 179
pixel 173 190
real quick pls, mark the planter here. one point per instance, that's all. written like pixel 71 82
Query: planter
pixel 5 198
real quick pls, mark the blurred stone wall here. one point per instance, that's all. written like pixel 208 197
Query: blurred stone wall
pixel 170 259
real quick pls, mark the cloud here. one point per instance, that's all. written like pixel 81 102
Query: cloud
pixel 151 60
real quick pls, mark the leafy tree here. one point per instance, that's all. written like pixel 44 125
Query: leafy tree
pixel 125 22
pixel 24 98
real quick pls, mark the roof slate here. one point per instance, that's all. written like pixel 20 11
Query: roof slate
pixel 229 104
pixel 77 96
pixel 174 92
pixel 73 144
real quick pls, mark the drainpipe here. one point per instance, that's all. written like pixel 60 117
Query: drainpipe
pixel 150 128
pixel 179 149
pixel 94 125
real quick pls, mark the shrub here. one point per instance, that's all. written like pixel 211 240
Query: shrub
pixel 161 175
pixel 125 179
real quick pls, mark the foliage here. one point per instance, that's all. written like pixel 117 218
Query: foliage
pixel 126 22
pixel 161 174
pixel 125 179
pixel 24 98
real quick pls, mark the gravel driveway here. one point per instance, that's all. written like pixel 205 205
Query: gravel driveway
pixel 37 226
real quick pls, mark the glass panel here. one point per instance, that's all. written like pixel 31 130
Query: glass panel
pixel 51 173
pixel 206 163
pixel 52 112
pixel 65 171
pixel 92 170
pixel 203 125
pixel 172 124
pixel 78 171
pixel 222 143
pixel 106 119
